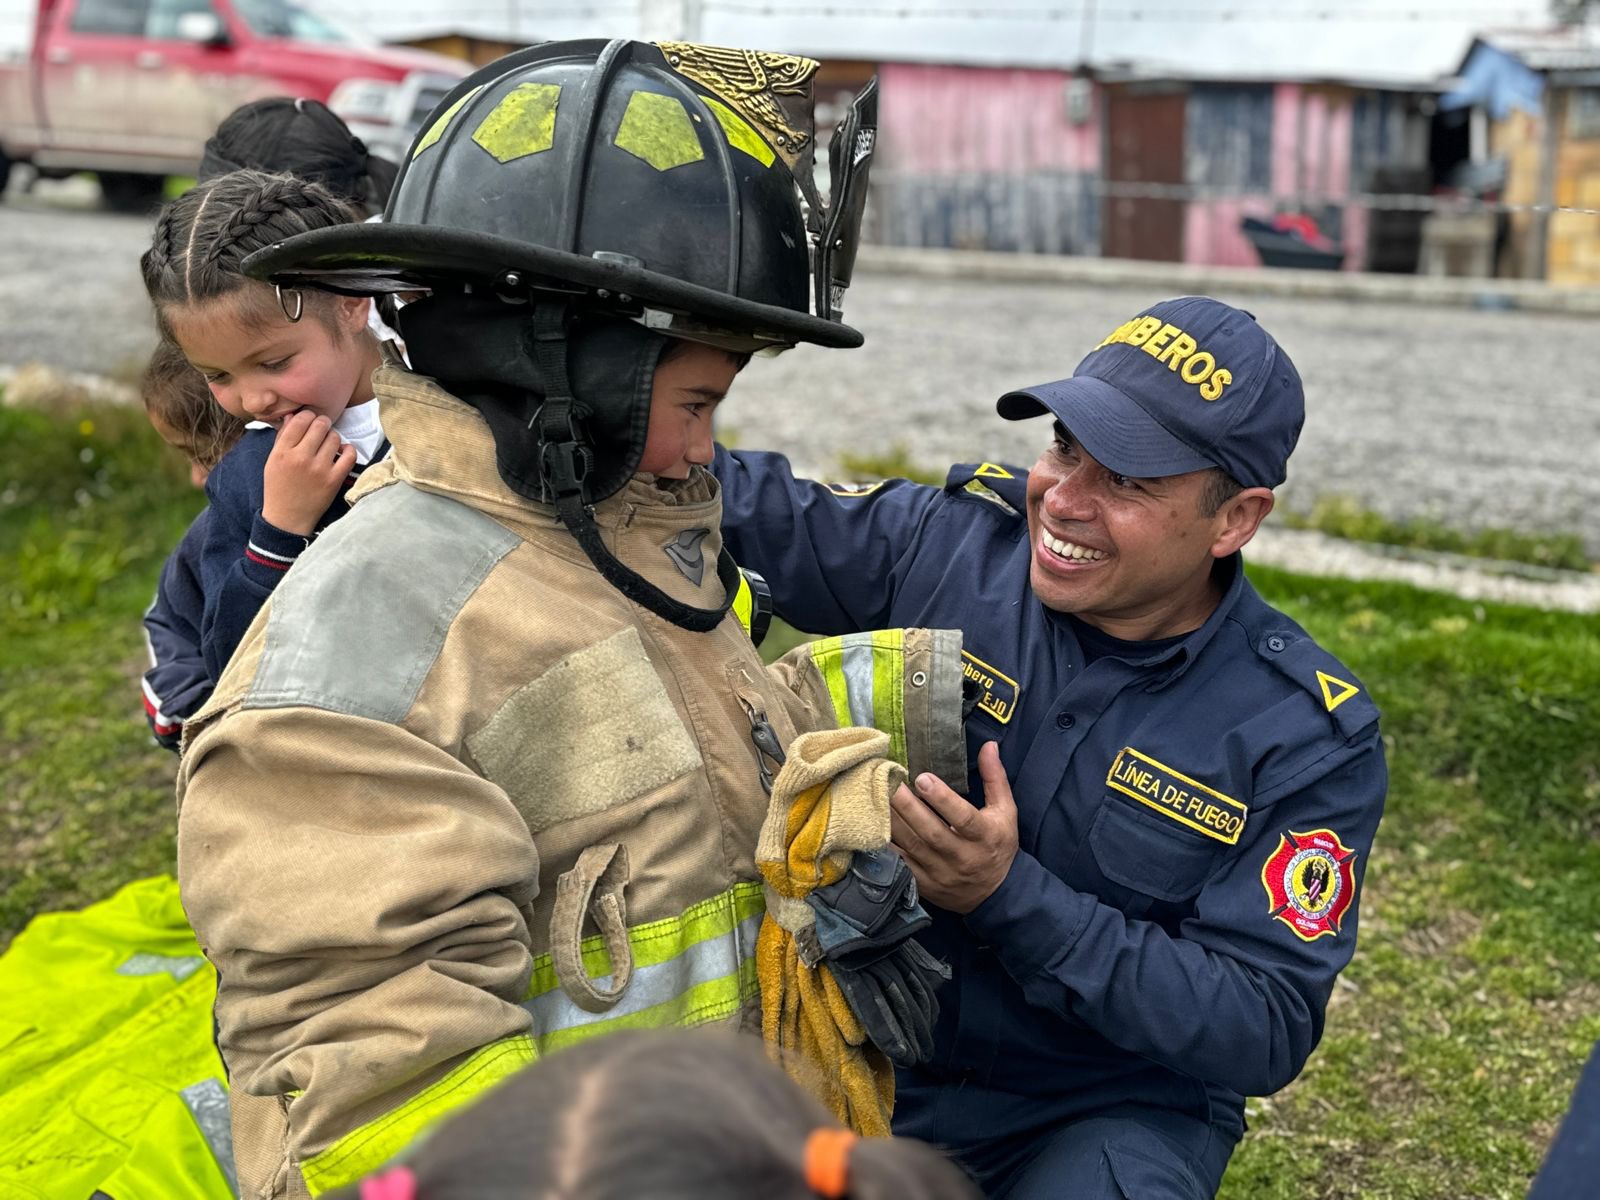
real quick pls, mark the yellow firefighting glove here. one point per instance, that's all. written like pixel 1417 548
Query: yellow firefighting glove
pixel 830 799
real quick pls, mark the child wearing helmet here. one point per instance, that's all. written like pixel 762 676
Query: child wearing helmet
pixel 488 773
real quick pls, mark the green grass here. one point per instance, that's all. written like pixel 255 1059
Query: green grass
pixel 90 505
pixel 895 464
pixel 1451 1048
pixel 1341 516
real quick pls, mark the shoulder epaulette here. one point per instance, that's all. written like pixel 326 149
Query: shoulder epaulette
pixel 1002 486
pixel 1331 684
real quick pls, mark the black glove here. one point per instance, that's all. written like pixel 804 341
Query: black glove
pixel 864 928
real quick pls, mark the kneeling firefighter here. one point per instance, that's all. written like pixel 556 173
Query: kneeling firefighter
pixel 488 774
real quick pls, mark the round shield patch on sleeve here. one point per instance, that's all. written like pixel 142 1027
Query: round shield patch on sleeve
pixel 1310 881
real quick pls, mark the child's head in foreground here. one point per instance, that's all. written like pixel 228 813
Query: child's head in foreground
pixel 659 1115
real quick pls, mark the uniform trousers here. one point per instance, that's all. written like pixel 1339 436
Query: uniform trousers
pixel 1121 1152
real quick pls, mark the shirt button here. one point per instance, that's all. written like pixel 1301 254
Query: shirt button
pixel 1065 720
pixel 1275 643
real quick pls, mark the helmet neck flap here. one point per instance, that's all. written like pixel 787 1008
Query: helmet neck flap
pixel 523 365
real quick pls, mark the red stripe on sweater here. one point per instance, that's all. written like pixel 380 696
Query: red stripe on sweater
pixel 265 562
pixel 153 712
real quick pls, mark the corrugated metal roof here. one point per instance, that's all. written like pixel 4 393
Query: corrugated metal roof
pixel 1554 50
pixel 1369 42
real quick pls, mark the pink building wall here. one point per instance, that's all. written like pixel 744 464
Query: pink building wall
pixel 1311 132
pixel 954 120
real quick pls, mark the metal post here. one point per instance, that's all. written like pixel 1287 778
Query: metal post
pixel 1549 154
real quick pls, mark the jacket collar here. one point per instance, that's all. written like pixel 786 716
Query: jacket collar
pixel 443 445
pixel 1164 668
pixel 1172 666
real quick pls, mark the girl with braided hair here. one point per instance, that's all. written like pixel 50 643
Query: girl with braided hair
pixel 304 137
pixel 295 365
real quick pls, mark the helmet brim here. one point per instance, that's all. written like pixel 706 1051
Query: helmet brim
pixel 376 257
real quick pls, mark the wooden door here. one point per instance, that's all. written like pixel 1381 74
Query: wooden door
pixel 1144 144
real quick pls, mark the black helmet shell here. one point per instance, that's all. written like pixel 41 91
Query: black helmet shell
pixel 612 170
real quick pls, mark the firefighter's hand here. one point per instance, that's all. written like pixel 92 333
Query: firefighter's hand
pixel 958 853
pixel 309 461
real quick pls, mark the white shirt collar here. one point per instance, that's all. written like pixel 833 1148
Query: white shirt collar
pixel 358 425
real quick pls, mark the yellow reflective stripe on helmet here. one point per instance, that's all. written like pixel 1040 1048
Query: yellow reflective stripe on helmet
pixel 739 133
pixel 687 970
pixel 865 674
pixel 523 123
pixel 363 1150
pixel 436 130
pixel 658 130
pixel 743 603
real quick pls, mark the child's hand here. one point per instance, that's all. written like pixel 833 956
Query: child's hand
pixel 309 461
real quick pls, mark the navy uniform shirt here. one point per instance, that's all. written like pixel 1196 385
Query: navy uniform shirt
pixel 1193 825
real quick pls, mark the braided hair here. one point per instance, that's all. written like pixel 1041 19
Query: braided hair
pixel 202 237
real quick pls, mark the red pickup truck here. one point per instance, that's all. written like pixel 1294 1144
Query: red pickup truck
pixel 131 89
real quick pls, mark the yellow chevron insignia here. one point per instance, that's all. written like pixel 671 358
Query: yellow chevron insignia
pixel 1335 691
pixel 992 471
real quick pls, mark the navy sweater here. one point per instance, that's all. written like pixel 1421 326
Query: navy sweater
pixel 177 683
pixel 244 556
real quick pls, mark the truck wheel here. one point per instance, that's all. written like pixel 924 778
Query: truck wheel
pixel 131 193
pixel 5 172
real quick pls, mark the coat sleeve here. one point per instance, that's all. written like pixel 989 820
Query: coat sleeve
pixel 907 683
pixel 1234 995
pixel 832 555
pixel 365 900
pixel 177 682
pixel 244 556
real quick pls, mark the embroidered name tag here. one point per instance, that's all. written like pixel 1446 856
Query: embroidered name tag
pixel 999 690
pixel 1173 794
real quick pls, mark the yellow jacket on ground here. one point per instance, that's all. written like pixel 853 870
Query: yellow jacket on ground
pixel 452 777
pixel 109 1082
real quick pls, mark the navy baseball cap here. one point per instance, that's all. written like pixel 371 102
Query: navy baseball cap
pixel 1187 384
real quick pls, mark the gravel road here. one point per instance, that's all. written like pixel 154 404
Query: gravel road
pixel 1478 418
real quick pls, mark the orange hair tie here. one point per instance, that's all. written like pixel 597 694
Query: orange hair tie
pixel 828 1162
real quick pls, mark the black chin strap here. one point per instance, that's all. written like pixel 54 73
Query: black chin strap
pixel 564 465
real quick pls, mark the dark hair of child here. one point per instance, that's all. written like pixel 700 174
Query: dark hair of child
pixel 299 137
pixel 175 395
pixel 664 1114
pixel 202 237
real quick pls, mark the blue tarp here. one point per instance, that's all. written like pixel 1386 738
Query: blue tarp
pixel 1498 81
